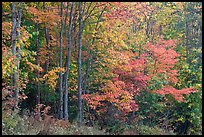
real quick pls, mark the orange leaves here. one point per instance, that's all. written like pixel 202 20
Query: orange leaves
pixel 93 100
pixel 6 31
pixel 116 94
pixel 48 17
pixel 162 58
pixel 23 96
pixel 119 84
pixel 177 94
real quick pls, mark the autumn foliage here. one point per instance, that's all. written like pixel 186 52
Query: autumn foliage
pixel 114 64
pixel 133 77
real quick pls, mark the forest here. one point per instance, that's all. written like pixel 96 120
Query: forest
pixel 102 68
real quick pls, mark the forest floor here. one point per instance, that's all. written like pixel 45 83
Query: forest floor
pixel 15 124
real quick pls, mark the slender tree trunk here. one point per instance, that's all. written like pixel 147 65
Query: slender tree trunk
pixel 200 46
pixel 187 41
pixel 47 43
pixel 68 64
pixel 160 31
pixel 88 66
pixel 57 58
pixel 57 102
pixel 147 28
pixel 13 43
pixel 79 64
pixel 65 20
pixel 75 32
pixel 37 62
pixel 46 65
pixel 60 75
pixel 200 38
pixel 18 48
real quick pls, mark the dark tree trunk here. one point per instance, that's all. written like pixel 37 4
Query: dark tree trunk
pixel 187 42
pixel 60 75
pixel 79 64
pixel 200 46
pixel 200 38
pixel 18 49
pixel 13 43
pixel 37 62
pixel 89 61
pixel 47 43
pixel 68 64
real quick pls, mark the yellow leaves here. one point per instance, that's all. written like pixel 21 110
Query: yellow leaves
pixel 199 50
pixel 6 30
pixel 180 119
pixel 17 45
pixel 195 61
pixel 6 5
pixel 23 53
pixel 180 4
pixel 49 17
pixel 31 65
pixel 198 86
pixel 7 65
pixel 52 76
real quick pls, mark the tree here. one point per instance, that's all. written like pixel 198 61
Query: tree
pixel 13 43
pixel 60 76
pixel 68 61
pixel 37 62
pixel 79 63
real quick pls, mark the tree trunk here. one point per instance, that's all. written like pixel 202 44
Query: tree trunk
pixel 18 48
pixel 79 64
pixel 13 43
pixel 37 62
pixel 187 40
pixel 88 66
pixel 60 75
pixel 200 46
pixel 47 43
pixel 200 38
pixel 65 20
pixel 46 65
pixel 68 64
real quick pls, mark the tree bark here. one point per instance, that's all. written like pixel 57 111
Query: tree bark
pixel 60 75
pixel 68 64
pixel 47 43
pixel 187 37
pixel 88 66
pixel 37 62
pixel 200 38
pixel 18 48
pixel 13 43
pixel 79 64
pixel 200 46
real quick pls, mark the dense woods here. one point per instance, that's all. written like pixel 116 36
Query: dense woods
pixel 131 68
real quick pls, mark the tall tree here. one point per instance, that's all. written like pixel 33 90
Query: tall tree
pixel 37 62
pixel 79 63
pixel 60 75
pixel 18 48
pixel 47 42
pixel 13 43
pixel 68 63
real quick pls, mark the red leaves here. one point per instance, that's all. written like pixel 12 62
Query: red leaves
pixel 119 11
pixel 132 77
pixel 163 57
pixel 177 94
